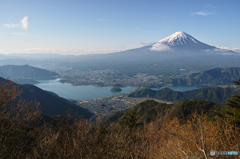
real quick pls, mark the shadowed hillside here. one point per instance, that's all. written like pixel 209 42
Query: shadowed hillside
pixel 50 104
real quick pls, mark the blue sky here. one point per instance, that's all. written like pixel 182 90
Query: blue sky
pixel 103 26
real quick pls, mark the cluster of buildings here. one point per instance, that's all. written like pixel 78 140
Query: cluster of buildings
pixel 105 106
pixel 109 78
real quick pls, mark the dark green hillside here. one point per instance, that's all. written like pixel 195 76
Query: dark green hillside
pixel 50 103
pixel 163 94
pixel 144 110
pixel 217 95
pixel 150 110
pixel 115 89
pixel 142 92
pixel 113 118
pixel 217 76
pixel 187 107
pixel 26 71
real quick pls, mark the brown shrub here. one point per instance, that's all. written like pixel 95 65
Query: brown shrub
pixel 195 138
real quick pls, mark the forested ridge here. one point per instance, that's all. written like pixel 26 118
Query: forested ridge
pixel 216 76
pixel 217 95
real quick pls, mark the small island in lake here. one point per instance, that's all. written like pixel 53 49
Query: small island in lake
pixel 115 89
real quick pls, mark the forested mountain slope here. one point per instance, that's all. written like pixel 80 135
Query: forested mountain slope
pixel 217 95
pixel 149 111
pixel 216 76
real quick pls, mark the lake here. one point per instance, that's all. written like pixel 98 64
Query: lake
pixel 88 92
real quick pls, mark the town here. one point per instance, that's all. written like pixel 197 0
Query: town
pixel 103 107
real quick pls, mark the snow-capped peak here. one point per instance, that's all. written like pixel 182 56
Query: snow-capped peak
pixel 179 38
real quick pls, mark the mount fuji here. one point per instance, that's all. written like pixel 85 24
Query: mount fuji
pixel 179 51
pixel 180 40
pixel 177 45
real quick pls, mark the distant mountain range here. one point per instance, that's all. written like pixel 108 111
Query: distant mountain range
pixel 217 76
pixel 25 74
pixel 27 71
pixel 217 95
pixel 50 103
pixel 169 56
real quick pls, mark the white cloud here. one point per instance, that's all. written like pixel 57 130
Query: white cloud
pixel 11 25
pixel 160 47
pixel 24 22
pixel 19 34
pixel 236 50
pixel 203 13
pixel 226 48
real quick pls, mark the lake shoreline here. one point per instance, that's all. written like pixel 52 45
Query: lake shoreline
pixel 142 86
pixel 89 92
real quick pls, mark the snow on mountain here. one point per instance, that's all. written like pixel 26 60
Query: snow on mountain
pixel 180 40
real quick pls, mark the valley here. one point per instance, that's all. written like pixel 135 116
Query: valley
pixel 103 107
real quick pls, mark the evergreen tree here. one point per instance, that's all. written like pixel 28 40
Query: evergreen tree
pixel 129 119
pixel 234 103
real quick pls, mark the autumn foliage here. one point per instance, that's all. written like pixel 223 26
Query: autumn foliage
pixel 24 135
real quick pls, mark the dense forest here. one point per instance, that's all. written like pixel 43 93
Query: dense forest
pixel 216 76
pixel 217 95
